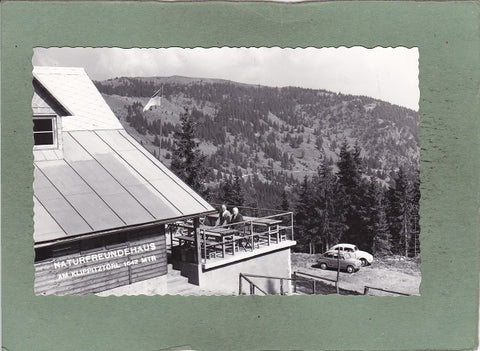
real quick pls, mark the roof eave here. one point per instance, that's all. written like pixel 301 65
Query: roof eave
pixel 76 237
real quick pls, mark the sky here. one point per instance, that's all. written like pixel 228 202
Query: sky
pixel 389 74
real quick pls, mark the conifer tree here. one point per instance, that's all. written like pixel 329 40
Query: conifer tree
pixel 330 221
pixel 187 161
pixel 382 239
pixel 305 218
pixel 415 217
pixel 352 191
pixel 381 242
pixel 398 214
pixel 225 191
pixel 284 204
pixel 373 195
pixel 237 196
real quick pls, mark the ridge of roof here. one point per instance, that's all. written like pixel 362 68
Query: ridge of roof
pixel 73 89
pixel 56 69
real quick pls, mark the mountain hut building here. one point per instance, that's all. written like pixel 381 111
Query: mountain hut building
pixel 108 214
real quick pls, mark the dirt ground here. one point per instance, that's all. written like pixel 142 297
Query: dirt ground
pixel 392 273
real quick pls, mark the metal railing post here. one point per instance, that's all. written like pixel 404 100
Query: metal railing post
pixel 204 246
pixel 294 282
pixel 240 284
pixel 251 235
pixel 291 224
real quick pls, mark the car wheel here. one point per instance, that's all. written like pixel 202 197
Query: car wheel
pixel 364 262
pixel 350 269
pixel 323 265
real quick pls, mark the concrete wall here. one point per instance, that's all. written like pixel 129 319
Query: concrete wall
pixel 224 279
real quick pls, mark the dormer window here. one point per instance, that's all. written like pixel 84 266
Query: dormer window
pixel 45 131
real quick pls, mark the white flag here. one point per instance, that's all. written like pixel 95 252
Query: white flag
pixel 155 100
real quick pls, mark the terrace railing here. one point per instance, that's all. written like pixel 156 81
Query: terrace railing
pixel 218 241
pixel 297 278
pixel 252 211
pixel 253 287
pixel 366 291
pixel 314 278
pixel 313 281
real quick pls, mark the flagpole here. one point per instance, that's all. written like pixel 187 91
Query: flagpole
pixel 156 100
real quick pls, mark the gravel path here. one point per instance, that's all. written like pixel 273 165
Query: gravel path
pixel 394 273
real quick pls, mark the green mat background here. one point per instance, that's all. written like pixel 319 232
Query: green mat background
pixel 444 317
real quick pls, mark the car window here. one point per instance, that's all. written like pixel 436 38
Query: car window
pixel 348 249
pixel 355 248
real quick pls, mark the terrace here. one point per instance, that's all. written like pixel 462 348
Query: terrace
pixel 203 241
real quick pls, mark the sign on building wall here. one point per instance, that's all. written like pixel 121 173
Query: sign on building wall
pixel 103 267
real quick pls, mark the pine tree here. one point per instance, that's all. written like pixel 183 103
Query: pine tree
pixel 330 222
pixel 415 217
pixel 284 204
pixel 237 197
pixel 398 214
pixel 225 192
pixel 187 161
pixel 381 243
pixel 373 195
pixel 307 235
pixel 352 192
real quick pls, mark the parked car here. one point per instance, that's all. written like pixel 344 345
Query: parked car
pixel 331 259
pixel 363 256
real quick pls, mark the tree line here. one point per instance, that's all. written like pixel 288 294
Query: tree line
pixel 347 206
pixel 342 205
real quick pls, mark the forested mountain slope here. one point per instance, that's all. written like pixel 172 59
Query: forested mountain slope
pixel 275 140
pixel 266 131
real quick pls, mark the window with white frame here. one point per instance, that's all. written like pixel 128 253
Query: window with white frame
pixel 44 131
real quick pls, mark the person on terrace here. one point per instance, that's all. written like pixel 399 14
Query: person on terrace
pixel 225 216
pixel 237 218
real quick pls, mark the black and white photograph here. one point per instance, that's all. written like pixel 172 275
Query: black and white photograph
pixel 226 171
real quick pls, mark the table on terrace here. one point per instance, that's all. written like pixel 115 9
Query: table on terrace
pixel 219 235
pixel 271 225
